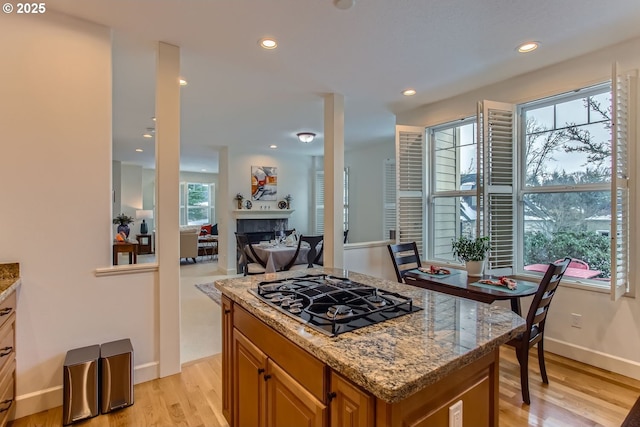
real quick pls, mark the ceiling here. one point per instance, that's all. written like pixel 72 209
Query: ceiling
pixel 240 95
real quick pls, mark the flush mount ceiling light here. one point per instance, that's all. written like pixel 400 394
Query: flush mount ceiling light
pixel 306 137
pixel 528 47
pixel 268 43
pixel 409 92
pixel 344 4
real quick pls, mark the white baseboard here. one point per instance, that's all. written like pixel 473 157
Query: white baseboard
pixel 628 368
pixel 42 400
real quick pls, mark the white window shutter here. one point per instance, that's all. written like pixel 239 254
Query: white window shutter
pixel 496 198
pixel 410 178
pixel 389 198
pixel 624 87
pixel 319 202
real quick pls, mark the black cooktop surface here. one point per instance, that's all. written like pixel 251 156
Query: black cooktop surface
pixel 333 305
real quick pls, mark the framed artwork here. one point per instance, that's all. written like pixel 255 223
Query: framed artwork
pixel 264 183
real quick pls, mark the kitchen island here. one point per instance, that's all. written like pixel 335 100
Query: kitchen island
pixel 408 370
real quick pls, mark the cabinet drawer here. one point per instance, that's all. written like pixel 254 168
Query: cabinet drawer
pixel 7 341
pixel 7 382
pixel 7 308
pixel 302 366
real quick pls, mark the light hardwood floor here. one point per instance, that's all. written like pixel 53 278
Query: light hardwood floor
pixel 578 395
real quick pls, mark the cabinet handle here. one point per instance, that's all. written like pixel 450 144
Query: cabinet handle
pixel 9 401
pixel 260 370
pixel 266 377
pixel 227 311
pixel 5 351
pixel 331 396
pixel 6 311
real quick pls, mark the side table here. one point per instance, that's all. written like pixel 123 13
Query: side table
pixel 125 247
pixel 144 244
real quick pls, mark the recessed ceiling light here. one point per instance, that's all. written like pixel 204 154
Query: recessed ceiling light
pixel 268 43
pixel 183 82
pixel 409 92
pixel 147 135
pixel 273 146
pixel 203 170
pixel 153 118
pixel 139 150
pixel 528 47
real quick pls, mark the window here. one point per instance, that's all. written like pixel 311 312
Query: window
pixel 552 183
pixel 566 182
pixel 196 203
pixel 319 201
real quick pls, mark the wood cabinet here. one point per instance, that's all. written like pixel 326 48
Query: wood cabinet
pixel 7 358
pixel 227 344
pixel 268 381
pixel 350 406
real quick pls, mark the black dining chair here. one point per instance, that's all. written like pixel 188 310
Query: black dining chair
pixel 405 257
pixel 312 255
pixel 536 320
pixel 251 264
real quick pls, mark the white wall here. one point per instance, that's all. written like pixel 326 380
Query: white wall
pixel 370 258
pixel 610 336
pixel 366 176
pixel 55 170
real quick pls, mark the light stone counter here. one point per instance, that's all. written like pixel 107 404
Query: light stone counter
pixel 398 357
pixel 9 279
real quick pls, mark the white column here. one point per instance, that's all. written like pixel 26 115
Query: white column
pixel 333 179
pixel 226 223
pixel 167 202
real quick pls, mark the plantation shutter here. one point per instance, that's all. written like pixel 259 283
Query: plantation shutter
pixel 623 101
pixel 410 177
pixel 319 202
pixel 389 198
pixel 496 198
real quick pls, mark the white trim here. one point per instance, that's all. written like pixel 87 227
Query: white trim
pixel 372 244
pixel 626 367
pixel 116 270
pixel 262 213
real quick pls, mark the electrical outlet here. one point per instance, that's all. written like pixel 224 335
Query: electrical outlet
pixel 576 320
pixel 455 414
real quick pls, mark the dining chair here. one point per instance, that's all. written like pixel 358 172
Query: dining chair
pixel 536 320
pixel 250 264
pixel 345 233
pixel 405 257
pixel 312 255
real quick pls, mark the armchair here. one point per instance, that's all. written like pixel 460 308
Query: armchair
pixel 189 244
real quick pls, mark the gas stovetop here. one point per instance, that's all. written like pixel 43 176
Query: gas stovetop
pixel 333 305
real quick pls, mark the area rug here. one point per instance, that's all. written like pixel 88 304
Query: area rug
pixel 210 291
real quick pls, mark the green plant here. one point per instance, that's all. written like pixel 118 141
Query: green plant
pixel 123 219
pixel 470 249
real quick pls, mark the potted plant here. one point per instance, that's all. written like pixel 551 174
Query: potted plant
pixel 473 252
pixel 123 221
pixel 239 198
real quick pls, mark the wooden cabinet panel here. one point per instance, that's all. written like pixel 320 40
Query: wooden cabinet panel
pixel 7 308
pixel 227 346
pixel 249 391
pixel 350 406
pixel 289 404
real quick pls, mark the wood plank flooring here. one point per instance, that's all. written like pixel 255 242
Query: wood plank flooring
pixel 578 395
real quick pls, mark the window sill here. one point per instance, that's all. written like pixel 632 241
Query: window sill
pixel 117 270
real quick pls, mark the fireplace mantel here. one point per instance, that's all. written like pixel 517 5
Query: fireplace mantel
pixel 262 213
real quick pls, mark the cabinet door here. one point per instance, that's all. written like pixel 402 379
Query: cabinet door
pixel 249 392
pixel 227 350
pixel 289 404
pixel 350 406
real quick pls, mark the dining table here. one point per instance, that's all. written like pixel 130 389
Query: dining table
pixel 277 256
pixel 457 283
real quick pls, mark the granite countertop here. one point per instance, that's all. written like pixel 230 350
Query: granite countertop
pixel 9 279
pixel 398 357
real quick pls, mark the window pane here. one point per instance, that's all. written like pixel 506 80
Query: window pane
pixel 197 216
pixel 544 117
pixel 573 224
pixel 569 154
pixel 453 217
pixel 455 157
